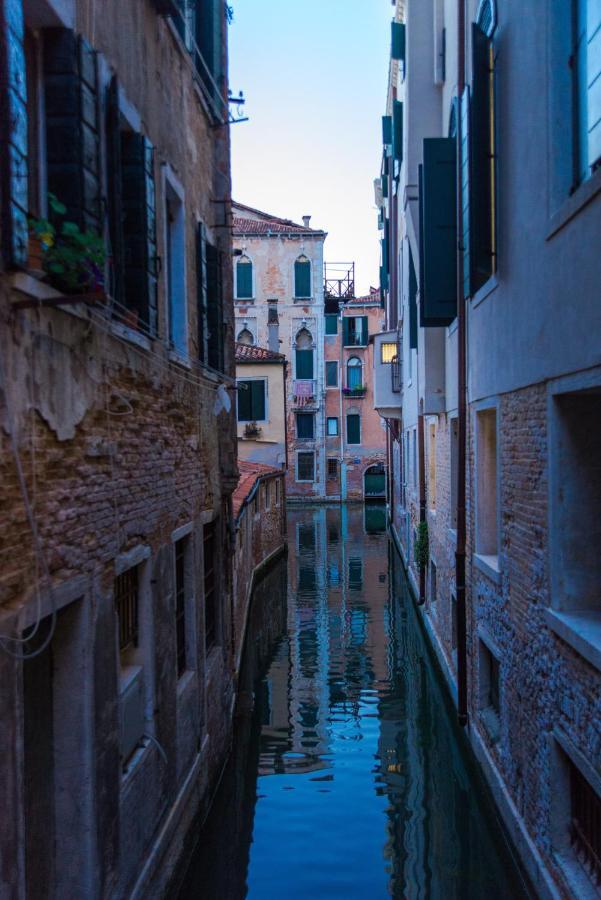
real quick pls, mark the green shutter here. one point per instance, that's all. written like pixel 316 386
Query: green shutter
pixel 304 364
pixel 345 332
pixel 331 324
pixel 383 280
pixel 481 205
pixel 387 130
pixel 353 429
pixel 331 373
pixel 464 133
pixel 398 41
pixel 257 400
pixel 302 278
pixel 244 401
pixel 364 336
pixel 114 190
pixel 72 132
pixel 244 279
pixel 412 303
pixel 13 135
pixel 397 130
pixel 139 228
pixel 201 291
pixel 215 326
pixel 438 223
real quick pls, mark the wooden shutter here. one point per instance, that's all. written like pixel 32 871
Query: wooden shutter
pixel 244 279
pixel 257 393
pixel 482 163
pixel 304 364
pixel 412 303
pixel 464 137
pixel 331 324
pixel 302 278
pixel 244 394
pixel 201 291
pixel 386 130
pixel 214 308
pixel 115 200
pixel 438 264
pixel 72 128
pixel 139 228
pixel 353 429
pixel 364 332
pixel 346 337
pixel 397 130
pixel 398 41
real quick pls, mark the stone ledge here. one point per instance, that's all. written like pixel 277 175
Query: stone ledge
pixel 581 630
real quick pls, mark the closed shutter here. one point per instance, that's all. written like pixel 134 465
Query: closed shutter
pixel 72 132
pixel 244 394
pixel 13 135
pixel 305 426
pixel 331 324
pixel 386 130
pixel 304 364
pixel 257 393
pixel 115 201
pixel 464 134
pixel 209 19
pixel 398 41
pixel 412 303
pixel 201 291
pixel 481 217
pixel 438 223
pixel 244 279
pixel 353 429
pixel 214 308
pixel 346 335
pixel 302 278
pixel 139 228
pixel 397 130
pixel 364 330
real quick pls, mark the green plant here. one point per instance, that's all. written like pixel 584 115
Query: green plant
pixel 73 259
pixel 421 549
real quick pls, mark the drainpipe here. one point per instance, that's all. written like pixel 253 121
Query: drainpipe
pixel 461 396
pixel 340 380
pixel 422 495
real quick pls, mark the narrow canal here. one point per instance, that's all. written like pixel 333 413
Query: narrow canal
pixel 348 777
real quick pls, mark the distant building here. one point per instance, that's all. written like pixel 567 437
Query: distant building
pixel 261 405
pixel 279 304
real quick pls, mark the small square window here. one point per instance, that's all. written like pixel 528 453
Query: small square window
pixel 388 351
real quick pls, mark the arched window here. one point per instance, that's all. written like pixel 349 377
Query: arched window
pixel 304 354
pixel 244 279
pixel 245 337
pixel 354 373
pixel 302 277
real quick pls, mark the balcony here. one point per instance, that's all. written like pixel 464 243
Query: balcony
pixel 388 375
pixel 304 392
pixel 358 391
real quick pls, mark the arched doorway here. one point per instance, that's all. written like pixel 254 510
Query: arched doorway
pixel 374 483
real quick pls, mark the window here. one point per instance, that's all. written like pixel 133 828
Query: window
pixel 355 573
pixel 433 588
pixel 126 604
pixel 211 558
pixel 353 428
pixel 331 324
pixel 251 400
pixel 354 331
pixel 277 491
pixel 332 468
pixel 180 604
pixel 132 686
pixel 244 278
pixel 454 427
pixel 332 426
pixel 302 278
pixel 432 466
pixel 305 466
pixel 304 364
pixel 266 494
pixel 211 332
pixel 331 374
pixel 489 697
pixel 585 64
pixel 585 815
pixel 305 426
pixel 486 484
pixel 354 374
pixel 388 351
pixel 246 337
pixel 176 266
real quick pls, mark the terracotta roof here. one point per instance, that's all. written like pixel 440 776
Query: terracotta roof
pixel 250 473
pixel 251 353
pixel 372 297
pixel 266 223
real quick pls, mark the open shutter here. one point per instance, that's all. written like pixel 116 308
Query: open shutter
pixel 364 330
pixel 398 41
pixel 139 228
pixel 482 163
pixel 412 303
pixel 214 308
pixel 438 224
pixel 397 130
pixel 72 131
pixel 386 130
pixel 201 291
pixel 258 400
pixel 346 337
pixel 115 201
pixel 13 134
pixel 464 136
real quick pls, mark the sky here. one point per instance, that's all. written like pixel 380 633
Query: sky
pixel 314 74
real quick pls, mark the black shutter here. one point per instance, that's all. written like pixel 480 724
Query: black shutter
pixel 412 303
pixel 482 161
pixel 214 308
pixel 72 132
pixel 13 134
pixel 244 401
pixel 139 228
pixel 201 291
pixel 438 223
pixel 115 202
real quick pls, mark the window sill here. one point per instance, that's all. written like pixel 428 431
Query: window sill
pixel 485 291
pixel 581 197
pixel 489 565
pixel 581 630
pixel 244 301
pixel 131 335
pixel 179 360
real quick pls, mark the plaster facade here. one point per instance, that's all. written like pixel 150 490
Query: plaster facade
pixel 267 442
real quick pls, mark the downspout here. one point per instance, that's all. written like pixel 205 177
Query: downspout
pixel 461 395
pixel 285 380
pixel 340 378
pixel 422 496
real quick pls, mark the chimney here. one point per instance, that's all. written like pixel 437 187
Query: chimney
pixel 306 220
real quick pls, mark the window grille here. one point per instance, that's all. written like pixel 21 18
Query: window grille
pixel 585 825
pixel 126 603
pixel 210 581
pixel 306 467
pixel 395 374
pixel 180 605
pixel 332 469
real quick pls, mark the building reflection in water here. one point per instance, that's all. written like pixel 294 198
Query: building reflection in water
pixel 348 776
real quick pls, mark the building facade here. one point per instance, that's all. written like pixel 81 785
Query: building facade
pixel 261 405
pixel 493 398
pixel 118 443
pixel 279 305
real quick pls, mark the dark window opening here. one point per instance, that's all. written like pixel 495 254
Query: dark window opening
pixel 126 604
pixel 305 426
pixel 211 555
pixel 332 470
pixel 180 605
pixel 305 467
pixel 585 824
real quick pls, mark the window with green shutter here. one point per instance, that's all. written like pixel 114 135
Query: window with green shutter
pixel 305 426
pixel 354 331
pixel 244 278
pixel 251 400
pixel 438 232
pixel 302 278
pixel 305 466
pixel 304 364
pixel 397 130
pixel 386 130
pixel 398 41
pixel 482 189
pixel 331 324
pixel 353 428
pixel 331 373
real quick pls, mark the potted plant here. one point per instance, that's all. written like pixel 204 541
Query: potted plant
pixel 73 260
pixel 356 391
pixel 251 430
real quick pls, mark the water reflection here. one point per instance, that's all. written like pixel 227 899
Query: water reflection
pixel 347 777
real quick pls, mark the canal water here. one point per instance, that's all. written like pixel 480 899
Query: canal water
pixel 348 776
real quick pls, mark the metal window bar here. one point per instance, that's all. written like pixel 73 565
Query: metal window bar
pixel 395 374
pixel 126 604
pixel 210 580
pixel 180 605
pixel 332 469
pixel 585 830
